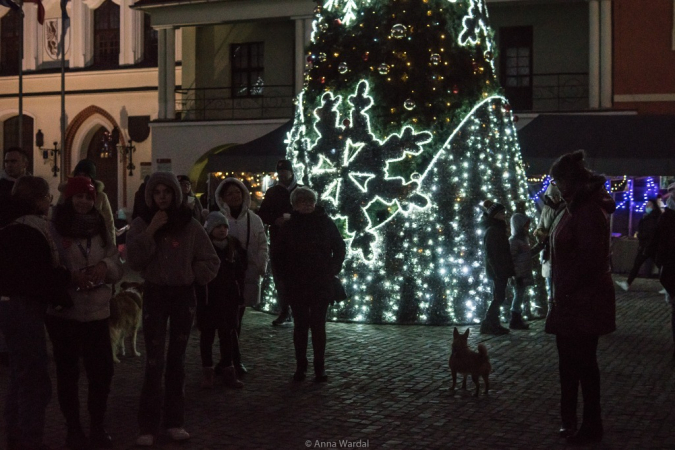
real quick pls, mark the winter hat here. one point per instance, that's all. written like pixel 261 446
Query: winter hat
pixel 284 164
pixel 215 219
pixel 87 167
pixel 492 209
pixel 182 178
pixel 167 179
pixel 80 185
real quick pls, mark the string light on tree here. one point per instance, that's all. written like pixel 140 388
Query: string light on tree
pixel 402 149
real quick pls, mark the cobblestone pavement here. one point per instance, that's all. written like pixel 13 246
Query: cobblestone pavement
pixel 389 388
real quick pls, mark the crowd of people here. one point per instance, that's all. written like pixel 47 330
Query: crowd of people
pixel 59 265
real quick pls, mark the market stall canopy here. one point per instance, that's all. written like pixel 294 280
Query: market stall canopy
pixel 633 145
pixel 258 155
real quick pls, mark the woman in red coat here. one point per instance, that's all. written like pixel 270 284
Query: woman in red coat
pixel 583 306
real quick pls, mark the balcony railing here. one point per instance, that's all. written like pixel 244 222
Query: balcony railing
pixel 559 91
pixel 267 102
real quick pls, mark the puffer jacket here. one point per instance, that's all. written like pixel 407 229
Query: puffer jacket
pixel 247 228
pixel 521 252
pixel 583 290
pixel 92 304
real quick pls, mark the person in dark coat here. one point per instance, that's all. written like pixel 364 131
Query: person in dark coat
pixel 646 230
pixel 662 246
pixel 218 309
pixel 310 252
pixel 275 210
pixel 31 278
pixel 583 306
pixel 498 264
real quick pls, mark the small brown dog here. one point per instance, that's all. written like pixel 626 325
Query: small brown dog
pixel 468 362
pixel 125 317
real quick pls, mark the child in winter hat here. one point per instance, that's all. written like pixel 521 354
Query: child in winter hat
pixel 214 219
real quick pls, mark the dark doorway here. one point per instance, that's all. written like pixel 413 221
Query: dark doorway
pixel 515 66
pixel 10 136
pixel 10 42
pixel 106 168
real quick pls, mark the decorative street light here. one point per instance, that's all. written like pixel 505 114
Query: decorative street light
pixel 40 142
pixel 110 144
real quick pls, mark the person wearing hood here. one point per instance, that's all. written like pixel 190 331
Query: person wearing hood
pixel 521 254
pixel 583 306
pixel 78 229
pixel 645 234
pixel 87 168
pixel 189 198
pixel 234 201
pixel 553 205
pixel 498 264
pixel 310 252
pixel 274 211
pixel 662 246
pixel 31 279
pixel 173 253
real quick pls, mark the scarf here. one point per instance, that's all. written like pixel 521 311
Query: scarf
pixel 85 225
pixel 40 224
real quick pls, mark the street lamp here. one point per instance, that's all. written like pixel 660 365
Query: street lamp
pixel 40 142
pixel 110 143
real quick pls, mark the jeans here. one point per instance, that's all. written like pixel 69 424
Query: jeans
pixel 640 259
pixel 578 365
pixel 91 341
pixel 518 297
pixel 29 391
pixel 498 297
pixel 162 306
pixel 310 316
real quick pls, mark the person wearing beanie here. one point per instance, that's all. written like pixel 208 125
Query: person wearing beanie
pixel 79 232
pixel 189 198
pixel 234 201
pixel 583 305
pixel 87 168
pixel 218 309
pixel 274 211
pixel 173 253
pixel 498 264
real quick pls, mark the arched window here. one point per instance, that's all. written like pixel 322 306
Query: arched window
pixel 10 136
pixel 151 43
pixel 9 43
pixel 107 35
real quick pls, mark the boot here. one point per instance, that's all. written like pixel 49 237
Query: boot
pixel 517 322
pixel 300 370
pixel 208 374
pixel 284 316
pixel 492 326
pixel 230 378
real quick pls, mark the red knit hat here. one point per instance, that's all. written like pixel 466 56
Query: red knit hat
pixel 80 185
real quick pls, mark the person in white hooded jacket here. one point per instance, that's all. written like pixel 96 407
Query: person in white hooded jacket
pixel 234 202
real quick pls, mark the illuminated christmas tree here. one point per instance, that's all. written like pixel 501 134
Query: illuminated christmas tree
pixel 403 131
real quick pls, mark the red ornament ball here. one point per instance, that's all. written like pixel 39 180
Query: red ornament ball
pixel 516 119
pixel 346 123
pixel 323 80
pixel 365 56
pixel 455 89
pixel 337 22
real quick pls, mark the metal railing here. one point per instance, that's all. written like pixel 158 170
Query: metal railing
pixel 559 91
pixel 219 103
